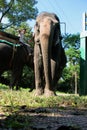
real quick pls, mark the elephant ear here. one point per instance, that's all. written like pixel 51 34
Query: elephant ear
pixel 54 20
pixel 57 34
pixel 63 58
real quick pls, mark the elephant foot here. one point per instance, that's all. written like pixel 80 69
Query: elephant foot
pixel 49 93
pixel 38 92
pixel 11 87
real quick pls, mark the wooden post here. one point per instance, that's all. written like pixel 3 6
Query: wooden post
pixel 75 82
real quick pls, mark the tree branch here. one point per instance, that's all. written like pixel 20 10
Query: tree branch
pixel 4 26
pixel 5 11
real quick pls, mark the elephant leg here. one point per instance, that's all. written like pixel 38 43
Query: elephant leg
pixel 55 64
pixel 16 77
pixel 61 64
pixel 0 74
pixel 56 73
pixel 38 67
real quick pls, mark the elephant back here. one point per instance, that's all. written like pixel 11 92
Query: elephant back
pixel 9 37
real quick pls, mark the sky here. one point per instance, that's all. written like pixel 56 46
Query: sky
pixel 69 12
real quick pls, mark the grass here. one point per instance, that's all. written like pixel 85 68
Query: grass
pixel 12 101
pixel 24 97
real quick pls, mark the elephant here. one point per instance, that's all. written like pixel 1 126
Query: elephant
pixel 14 58
pixel 49 54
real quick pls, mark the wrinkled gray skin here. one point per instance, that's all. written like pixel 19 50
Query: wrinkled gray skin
pixel 49 55
pixel 14 59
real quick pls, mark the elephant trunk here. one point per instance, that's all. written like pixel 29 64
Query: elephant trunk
pixel 45 34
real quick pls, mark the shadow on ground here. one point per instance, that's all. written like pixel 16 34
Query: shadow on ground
pixel 24 118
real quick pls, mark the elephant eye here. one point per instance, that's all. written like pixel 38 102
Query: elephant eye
pixel 37 27
pixel 36 24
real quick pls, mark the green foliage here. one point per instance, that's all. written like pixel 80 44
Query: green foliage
pixel 71 44
pixel 3 86
pixel 72 40
pixel 27 80
pixel 17 11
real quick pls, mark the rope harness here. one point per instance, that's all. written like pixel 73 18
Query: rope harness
pixel 9 43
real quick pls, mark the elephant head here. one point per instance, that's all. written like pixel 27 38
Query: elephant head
pixel 47 52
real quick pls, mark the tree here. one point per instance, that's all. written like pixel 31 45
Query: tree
pixel 17 11
pixel 71 43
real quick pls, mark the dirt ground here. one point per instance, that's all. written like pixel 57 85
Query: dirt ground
pixel 52 119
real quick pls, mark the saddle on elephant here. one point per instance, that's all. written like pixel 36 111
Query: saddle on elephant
pixel 9 37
